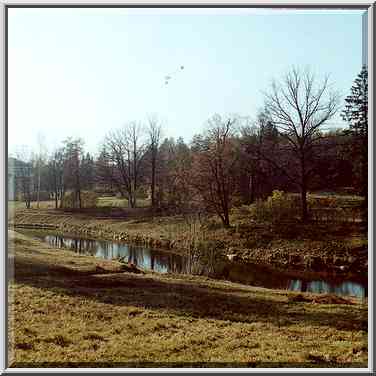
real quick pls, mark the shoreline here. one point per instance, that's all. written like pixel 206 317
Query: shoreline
pixel 231 271
pixel 345 263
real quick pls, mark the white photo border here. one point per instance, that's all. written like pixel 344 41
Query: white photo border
pixel 301 5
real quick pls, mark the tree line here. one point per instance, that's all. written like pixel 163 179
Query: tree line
pixel 233 161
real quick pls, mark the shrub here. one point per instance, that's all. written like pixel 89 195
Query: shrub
pixel 240 213
pixel 43 196
pixel 88 200
pixel 323 202
pixel 237 201
pixel 142 193
pixel 205 257
pixel 278 207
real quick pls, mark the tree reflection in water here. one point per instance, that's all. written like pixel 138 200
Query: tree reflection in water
pixel 347 288
pixel 164 262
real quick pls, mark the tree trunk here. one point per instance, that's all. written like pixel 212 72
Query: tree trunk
pixel 28 201
pixel 153 184
pixel 79 198
pixel 252 188
pixel 134 172
pixel 364 174
pixel 303 188
pixel 56 191
pixel 227 221
pixel 62 193
pixel 304 203
pixel 131 200
pixel 38 188
pixel 226 218
pixel 364 189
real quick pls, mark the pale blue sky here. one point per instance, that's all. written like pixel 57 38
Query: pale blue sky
pixel 83 72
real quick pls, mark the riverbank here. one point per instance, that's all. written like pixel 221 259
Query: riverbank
pixel 80 311
pixel 330 248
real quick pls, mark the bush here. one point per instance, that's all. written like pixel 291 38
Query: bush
pixel 88 200
pixel 241 211
pixel 43 196
pixel 278 207
pixel 323 202
pixel 237 201
pixel 142 193
pixel 205 257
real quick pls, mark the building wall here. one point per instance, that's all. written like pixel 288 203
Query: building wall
pixel 11 187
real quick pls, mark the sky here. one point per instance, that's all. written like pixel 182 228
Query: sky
pixel 84 72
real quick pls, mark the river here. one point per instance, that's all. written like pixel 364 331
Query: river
pixel 167 262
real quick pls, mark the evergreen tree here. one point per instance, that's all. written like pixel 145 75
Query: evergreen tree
pixel 87 167
pixel 73 167
pixel 356 114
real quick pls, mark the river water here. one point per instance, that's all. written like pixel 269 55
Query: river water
pixel 167 262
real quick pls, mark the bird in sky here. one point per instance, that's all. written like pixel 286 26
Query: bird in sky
pixel 171 75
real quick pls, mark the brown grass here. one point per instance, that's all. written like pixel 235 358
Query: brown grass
pixel 63 312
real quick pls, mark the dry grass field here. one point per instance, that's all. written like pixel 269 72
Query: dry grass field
pixel 79 311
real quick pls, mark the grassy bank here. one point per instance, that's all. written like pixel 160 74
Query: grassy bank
pixel 339 247
pixel 71 310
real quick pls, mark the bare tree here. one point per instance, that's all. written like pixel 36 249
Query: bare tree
pixel 125 151
pixel 55 176
pixel 22 171
pixel 259 177
pixel 214 167
pixel 174 191
pixel 298 106
pixel 40 160
pixel 154 137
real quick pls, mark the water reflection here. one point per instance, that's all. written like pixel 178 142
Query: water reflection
pixel 140 256
pixel 164 262
pixel 344 288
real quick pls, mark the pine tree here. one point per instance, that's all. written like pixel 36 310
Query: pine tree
pixel 356 114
